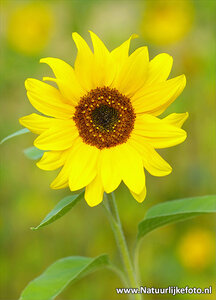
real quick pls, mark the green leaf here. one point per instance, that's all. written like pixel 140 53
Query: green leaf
pixel 175 211
pixel 60 210
pixel 19 132
pixel 62 272
pixel 33 153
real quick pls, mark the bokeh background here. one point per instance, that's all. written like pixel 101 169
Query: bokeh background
pixel 180 254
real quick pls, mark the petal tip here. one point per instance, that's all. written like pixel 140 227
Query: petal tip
pixel 169 56
pixel 134 36
pixel 21 121
pixel 49 79
pixel 139 197
pixel 37 144
pixel 75 34
pixel 91 204
pixel 29 82
pixel 42 60
pixel 92 34
pixel 53 186
pixel 186 116
pixel 183 80
pixel 169 170
pixel 38 165
pixel 24 120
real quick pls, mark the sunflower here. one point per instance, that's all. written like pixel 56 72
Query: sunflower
pixel 101 124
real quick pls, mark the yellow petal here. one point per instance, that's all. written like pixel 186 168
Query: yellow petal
pixel 52 160
pixel 155 164
pixel 176 119
pixel 71 171
pixel 62 180
pixel 139 197
pixel 120 54
pixel 65 78
pixel 104 68
pixel 94 192
pixel 134 72
pixel 152 161
pixel 154 99
pixel 47 99
pixel 157 132
pixel 83 62
pixel 83 160
pixel 159 68
pixel 130 166
pixel 58 137
pixel 110 175
pixel 36 123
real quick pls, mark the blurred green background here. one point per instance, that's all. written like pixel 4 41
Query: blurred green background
pixel 180 254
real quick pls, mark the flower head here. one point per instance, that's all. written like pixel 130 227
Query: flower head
pixel 102 126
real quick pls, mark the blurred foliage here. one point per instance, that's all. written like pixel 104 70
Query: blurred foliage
pixel 178 254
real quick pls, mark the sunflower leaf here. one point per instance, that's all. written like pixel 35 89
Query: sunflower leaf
pixel 19 132
pixel 175 211
pixel 33 153
pixel 62 272
pixel 60 210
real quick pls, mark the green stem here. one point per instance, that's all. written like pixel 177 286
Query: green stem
pixel 119 273
pixel 136 259
pixel 113 216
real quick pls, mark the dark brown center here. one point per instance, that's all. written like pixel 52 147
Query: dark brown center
pixel 104 118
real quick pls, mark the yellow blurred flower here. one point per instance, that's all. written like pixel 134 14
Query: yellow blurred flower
pixel 29 28
pixel 196 249
pixel 166 22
